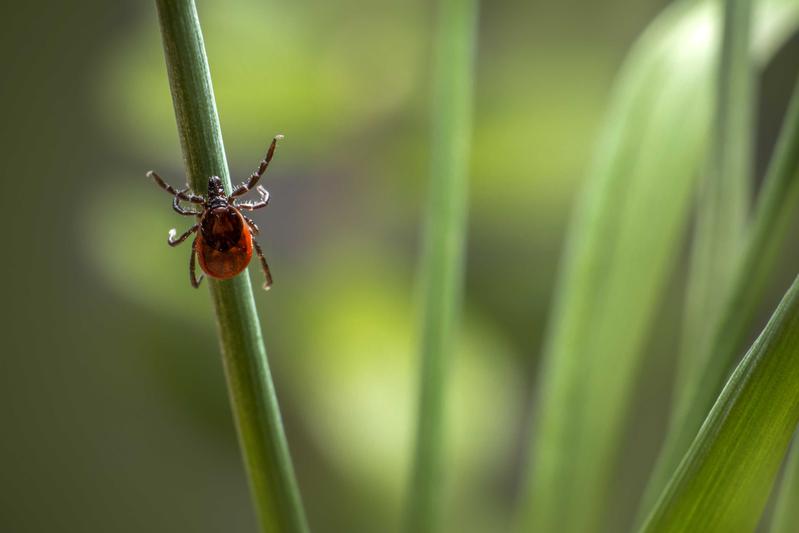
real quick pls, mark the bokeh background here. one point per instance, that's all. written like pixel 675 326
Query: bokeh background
pixel 113 411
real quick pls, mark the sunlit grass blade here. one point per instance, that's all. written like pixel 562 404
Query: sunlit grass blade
pixel 768 229
pixel 724 192
pixel 252 394
pixel 724 481
pixel 441 266
pixel 622 245
pixel 624 234
pixel 722 205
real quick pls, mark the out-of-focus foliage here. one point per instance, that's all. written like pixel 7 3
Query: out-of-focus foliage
pixel 702 380
pixel 115 416
pixel 623 246
pixel 138 227
pixel 292 65
pixel 356 375
pixel 328 91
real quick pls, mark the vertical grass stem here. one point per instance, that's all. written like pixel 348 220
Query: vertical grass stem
pixel 252 394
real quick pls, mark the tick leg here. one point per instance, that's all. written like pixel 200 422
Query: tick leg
pixel 180 209
pixel 252 224
pixel 244 187
pixel 172 241
pixel 183 195
pixel 264 266
pixel 252 206
pixel 195 281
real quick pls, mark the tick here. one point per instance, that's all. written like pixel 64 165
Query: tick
pixel 224 239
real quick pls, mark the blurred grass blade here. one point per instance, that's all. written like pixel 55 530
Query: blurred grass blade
pixel 622 245
pixel 252 394
pixel 768 228
pixel 786 512
pixel 719 232
pixel 724 481
pixel 724 197
pixel 441 267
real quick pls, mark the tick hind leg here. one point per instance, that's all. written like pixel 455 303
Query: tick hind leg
pixel 264 266
pixel 250 222
pixel 195 281
pixel 244 187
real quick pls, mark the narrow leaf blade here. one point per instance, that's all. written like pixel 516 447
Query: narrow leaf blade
pixel 724 481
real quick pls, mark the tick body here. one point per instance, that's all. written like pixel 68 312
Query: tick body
pixel 224 242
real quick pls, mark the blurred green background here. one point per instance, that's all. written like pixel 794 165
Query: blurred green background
pixel 114 412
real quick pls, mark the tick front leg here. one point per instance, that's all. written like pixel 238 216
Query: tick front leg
pixel 244 187
pixel 172 241
pixel 264 266
pixel 195 282
pixel 180 209
pixel 252 206
pixel 183 195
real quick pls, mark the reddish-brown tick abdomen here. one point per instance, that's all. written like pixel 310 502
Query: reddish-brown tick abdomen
pixel 224 243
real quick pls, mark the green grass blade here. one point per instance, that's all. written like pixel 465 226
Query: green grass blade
pixel 724 481
pixel 724 197
pixel 252 394
pixel 786 512
pixel 621 248
pixel 769 226
pixel 721 212
pixel 441 267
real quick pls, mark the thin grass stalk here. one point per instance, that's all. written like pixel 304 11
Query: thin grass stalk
pixel 442 262
pixel 252 393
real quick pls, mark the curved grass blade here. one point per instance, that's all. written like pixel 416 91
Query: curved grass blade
pixel 724 481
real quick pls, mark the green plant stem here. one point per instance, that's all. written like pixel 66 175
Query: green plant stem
pixel 252 394
pixel 441 267
pixel 767 230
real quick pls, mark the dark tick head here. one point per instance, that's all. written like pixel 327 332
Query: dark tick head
pixel 215 188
